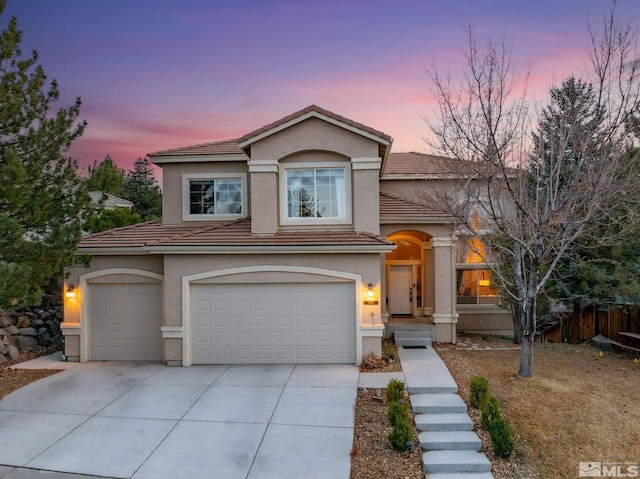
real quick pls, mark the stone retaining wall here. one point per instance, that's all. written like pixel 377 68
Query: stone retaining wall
pixel 29 329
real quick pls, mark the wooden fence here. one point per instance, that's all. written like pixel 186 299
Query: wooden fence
pixel 593 320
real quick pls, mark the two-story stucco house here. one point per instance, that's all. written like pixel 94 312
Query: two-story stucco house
pixel 298 242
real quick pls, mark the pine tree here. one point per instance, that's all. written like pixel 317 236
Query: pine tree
pixel 42 202
pixel 106 177
pixel 141 188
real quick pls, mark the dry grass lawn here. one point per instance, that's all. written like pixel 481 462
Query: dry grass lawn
pixel 580 406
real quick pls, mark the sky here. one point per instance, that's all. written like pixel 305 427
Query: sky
pixel 159 74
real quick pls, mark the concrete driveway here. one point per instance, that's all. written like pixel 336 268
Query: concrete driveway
pixel 145 420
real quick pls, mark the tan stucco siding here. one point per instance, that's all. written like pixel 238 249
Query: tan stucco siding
pixel 172 198
pixel 179 266
pixel 313 134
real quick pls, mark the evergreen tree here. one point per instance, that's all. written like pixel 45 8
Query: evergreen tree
pixel 42 202
pixel 106 177
pixel 108 219
pixel 570 130
pixel 141 188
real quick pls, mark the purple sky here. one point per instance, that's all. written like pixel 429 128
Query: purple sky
pixel 157 74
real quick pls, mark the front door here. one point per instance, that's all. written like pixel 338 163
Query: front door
pixel 400 290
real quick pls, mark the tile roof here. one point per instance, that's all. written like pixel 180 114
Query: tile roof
pixel 229 234
pixel 322 111
pixel 395 207
pixel 226 147
pixel 108 201
pixel 420 164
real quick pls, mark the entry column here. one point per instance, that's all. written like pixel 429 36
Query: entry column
pixel 445 316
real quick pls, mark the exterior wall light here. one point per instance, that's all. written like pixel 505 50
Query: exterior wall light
pixel 71 292
pixel 370 296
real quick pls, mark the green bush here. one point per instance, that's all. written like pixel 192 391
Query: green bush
pixel 490 411
pixel 501 437
pixel 401 435
pixel 395 390
pixel 478 391
pixel 388 352
pixel 398 412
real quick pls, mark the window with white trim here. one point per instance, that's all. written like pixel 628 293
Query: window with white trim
pixel 207 197
pixel 315 194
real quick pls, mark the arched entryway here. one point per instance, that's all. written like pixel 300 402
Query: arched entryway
pixel 409 275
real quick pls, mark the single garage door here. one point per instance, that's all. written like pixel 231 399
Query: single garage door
pixel 273 323
pixel 125 321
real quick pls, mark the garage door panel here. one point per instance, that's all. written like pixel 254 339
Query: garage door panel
pixel 125 321
pixel 271 323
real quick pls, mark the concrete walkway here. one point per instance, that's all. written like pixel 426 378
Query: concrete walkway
pixel 445 429
pixel 145 420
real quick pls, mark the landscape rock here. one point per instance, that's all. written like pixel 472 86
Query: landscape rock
pixel 601 342
pixel 12 329
pixel 14 353
pixel 30 328
pixel 5 320
pixel 3 359
pixel 28 331
pixel 24 322
pixel 27 343
pixel 44 338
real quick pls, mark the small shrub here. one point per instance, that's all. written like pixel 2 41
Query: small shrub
pixel 401 435
pixel 501 437
pixel 478 391
pixel 395 390
pixel 490 411
pixel 398 412
pixel 388 351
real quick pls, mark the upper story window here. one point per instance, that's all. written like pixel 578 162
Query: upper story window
pixel 213 196
pixel 320 195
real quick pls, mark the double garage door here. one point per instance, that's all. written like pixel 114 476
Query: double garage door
pixel 230 323
pixel 273 323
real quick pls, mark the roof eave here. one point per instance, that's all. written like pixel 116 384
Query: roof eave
pixel 105 250
pixel 196 158
pixel 394 220
pixel 382 248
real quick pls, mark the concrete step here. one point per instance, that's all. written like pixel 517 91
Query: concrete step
pixel 412 338
pixel 467 475
pixel 438 403
pixel 425 372
pixel 455 462
pixel 443 422
pixel 443 440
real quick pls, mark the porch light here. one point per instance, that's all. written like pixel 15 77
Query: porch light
pixel 483 282
pixel 71 292
pixel 370 297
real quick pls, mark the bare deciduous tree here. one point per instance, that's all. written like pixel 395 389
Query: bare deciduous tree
pixel 528 191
